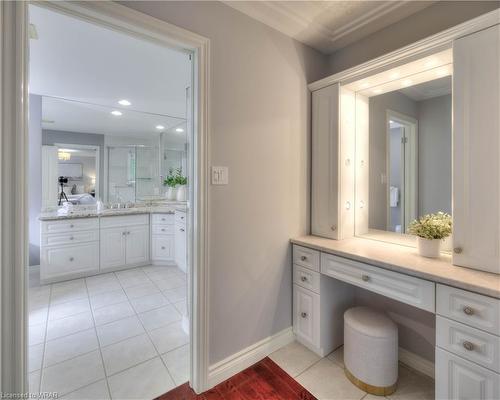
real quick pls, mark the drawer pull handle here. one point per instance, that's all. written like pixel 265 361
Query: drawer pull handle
pixel 303 258
pixel 163 247
pixel 71 238
pixel 303 314
pixel 303 278
pixel 71 259
pixel 457 250
pixel 365 278
pixel 468 310
pixel 334 228
pixel 469 346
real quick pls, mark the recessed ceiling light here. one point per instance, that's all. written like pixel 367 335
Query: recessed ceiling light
pixel 116 113
pixel 179 130
pixel 364 85
pixel 160 127
pixel 394 75
pixel 431 63
pixel 124 102
pixel 407 82
pixel 377 91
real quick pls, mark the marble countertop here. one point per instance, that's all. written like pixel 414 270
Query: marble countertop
pixel 405 259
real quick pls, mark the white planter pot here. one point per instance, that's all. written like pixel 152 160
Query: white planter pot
pixel 428 247
pixel 181 193
pixel 171 193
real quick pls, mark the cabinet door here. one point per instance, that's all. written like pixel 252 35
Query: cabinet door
pixel 458 379
pixel 305 316
pixel 180 247
pixel 137 249
pixel 71 260
pixel 325 160
pixel 162 248
pixel 113 247
pixel 476 150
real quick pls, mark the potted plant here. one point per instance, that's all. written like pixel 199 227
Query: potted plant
pixel 181 181
pixel 430 231
pixel 171 182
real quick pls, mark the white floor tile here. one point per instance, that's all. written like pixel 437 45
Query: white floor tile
pixel 127 353
pixel 132 278
pixel 144 381
pixel 159 317
pixel 102 284
pixel 95 391
pixel 175 295
pixel 337 356
pixel 149 302
pixel 169 283
pixel 63 310
pixel 34 382
pixel 73 374
pixel 169 337
pixel 112 313
pixel 413 386
pixel 36 334
pixel 70 346
pixel 38 316
pixel 294 358
pixel 107 298
pixel 119 330
pixel 177 362
pixel 181 306
pixel 141 290
pixel 66 326
pixel 68 291
pixel 35 354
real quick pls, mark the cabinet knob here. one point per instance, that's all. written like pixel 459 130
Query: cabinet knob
pixel 163 230
pixel 124 233
pixel 303 278
pixel 365 278
pixel 182 230
pixel 163 247
pixel 182 217
pixel 457 250
pixel 468 310
pixel 469 346
pixel 303 258
pixel 71 238
pixel 303 314
pixel 163 219
pixel 72 226
pixel 71 259
pixel 334 227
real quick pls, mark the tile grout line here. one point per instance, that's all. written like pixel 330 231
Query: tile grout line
pixel 44 341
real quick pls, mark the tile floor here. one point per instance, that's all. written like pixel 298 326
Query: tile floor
pixel 325 378
pixel 110 336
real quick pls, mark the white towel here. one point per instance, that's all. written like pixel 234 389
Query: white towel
pixel 393 196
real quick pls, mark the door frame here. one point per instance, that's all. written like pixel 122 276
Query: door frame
pixel 14 69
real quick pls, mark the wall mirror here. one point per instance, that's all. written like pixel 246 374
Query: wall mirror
pixel 403 146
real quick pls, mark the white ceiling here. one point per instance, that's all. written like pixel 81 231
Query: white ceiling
pixel 429 90
pixel 76 60
pixel 328 25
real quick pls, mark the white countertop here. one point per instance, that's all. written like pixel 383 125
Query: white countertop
pixel 405 259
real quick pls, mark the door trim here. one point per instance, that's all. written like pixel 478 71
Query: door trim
pixel 13 175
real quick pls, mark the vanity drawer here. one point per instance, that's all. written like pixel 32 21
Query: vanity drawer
pixel 69 260
pixel 162 248
pixel 473 309
pixel 407 289
pixel 163 229
pixel 70 225
pixel 306 278
pixel 162 219
pixel 306 257
pixel 180 217
pixel 124 220
pixel 70 237
pixel 473 344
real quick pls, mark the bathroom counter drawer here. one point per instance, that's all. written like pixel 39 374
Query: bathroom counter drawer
pixel 407 289
pixel 306 257
pixel 163 229
pixel 472 344
pixel 124 220
pixel 180 217
pixel 69 260
pixel 69 225
pixel 162 219
pixel 69 237
pixel 306 278
pixel 473 309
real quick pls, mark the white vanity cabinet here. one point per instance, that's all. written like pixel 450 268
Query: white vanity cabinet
pixel 476 150
pixel 124 241
pixel 180 240
pixel 162 239
pixel 69 248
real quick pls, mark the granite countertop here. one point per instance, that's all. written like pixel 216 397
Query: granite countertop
pixel 405 259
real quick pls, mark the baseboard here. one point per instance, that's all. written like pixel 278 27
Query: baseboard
pixel 416 362
pixel 237 362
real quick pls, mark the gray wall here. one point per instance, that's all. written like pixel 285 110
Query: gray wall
pixel 434 155
pixel 395 178
pixel 35 176
pixel 260 129
pixel 50 137
pixel 379 105
pixel 434 19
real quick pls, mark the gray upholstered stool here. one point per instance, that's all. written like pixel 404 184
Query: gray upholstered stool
pixel 371 350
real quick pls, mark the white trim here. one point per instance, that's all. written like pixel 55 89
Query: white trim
pixel 416 362
pixel 243 359
pixel 13 100
pixel 432 44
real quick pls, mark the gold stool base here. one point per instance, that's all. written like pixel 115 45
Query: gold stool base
pixel 375 390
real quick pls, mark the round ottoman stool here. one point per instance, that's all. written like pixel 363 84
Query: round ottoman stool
pixel 371 350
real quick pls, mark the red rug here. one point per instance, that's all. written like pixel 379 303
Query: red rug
pixel 263 381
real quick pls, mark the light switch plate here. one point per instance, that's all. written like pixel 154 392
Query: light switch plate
pixel 220 176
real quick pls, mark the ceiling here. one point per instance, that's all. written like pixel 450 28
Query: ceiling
pixel 94 67
pixel 429 90
pixel 328 25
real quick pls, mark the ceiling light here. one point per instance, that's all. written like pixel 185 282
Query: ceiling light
pixel 116 113
pixel 391 121
pixel 377 91
pixel 63 156
pixel 179 130
pixel 394 75
pixel 430 63
pixel 160 127
pixel 407 82
pixel 124 102
pixel 364 85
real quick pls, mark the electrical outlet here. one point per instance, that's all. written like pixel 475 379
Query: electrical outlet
pixel 220 176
